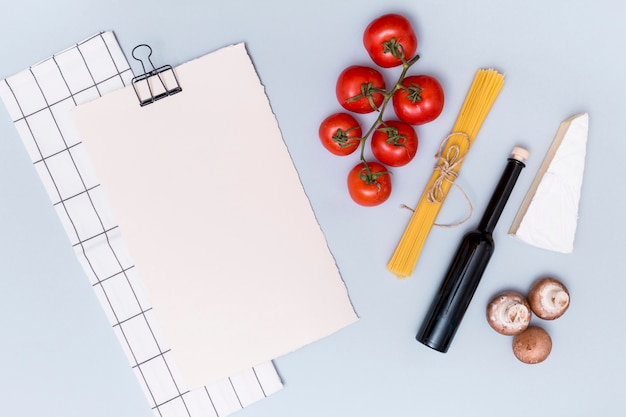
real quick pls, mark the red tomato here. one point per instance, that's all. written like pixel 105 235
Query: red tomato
pixel 390 38
pixel 419 101
pixel 369 185
pixel 340 134
pixel 360 89
pixel 394 143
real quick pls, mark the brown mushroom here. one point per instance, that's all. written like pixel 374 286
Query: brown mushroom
pixel 533 345
pixel 548 298
pixel 508 313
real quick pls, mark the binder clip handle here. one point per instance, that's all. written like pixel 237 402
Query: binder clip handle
pixel 147 58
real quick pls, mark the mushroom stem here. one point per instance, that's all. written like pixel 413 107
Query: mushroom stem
pixel 560 298
pixel 556 299
pixel 516 313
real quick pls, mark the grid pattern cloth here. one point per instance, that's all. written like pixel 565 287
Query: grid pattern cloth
pixel 39 100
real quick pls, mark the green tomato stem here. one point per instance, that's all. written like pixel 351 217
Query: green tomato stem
pixel 387 97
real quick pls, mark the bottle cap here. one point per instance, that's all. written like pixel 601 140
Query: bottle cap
pixel 520 154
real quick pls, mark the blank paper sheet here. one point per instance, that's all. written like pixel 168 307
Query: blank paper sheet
pixel 213 212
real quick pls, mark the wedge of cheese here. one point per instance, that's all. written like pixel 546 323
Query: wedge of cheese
pixel 548 215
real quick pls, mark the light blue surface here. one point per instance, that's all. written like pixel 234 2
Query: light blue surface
pixel 59 357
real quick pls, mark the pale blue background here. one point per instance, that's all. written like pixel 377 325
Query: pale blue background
pixel 58 355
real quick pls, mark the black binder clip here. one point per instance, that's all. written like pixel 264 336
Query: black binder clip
pixel 156 83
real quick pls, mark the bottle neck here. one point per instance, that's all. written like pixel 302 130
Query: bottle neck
pixel 500 195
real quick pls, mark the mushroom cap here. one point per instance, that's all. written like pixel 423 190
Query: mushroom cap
pixel 533 345
pixel 509 313
pixel 548 298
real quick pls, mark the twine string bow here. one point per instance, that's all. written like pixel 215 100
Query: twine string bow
pixel 448 171
pixel 448 167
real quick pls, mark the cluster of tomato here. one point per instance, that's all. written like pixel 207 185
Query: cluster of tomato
pixel 416 99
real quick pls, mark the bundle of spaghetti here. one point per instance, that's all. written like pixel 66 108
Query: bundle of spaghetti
pixel 482 94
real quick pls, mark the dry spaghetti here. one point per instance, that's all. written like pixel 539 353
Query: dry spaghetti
pixel 482 94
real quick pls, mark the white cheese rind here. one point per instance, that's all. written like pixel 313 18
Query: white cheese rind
pixel 548 216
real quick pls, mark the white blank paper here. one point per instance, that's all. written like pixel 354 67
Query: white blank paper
pixel 215 217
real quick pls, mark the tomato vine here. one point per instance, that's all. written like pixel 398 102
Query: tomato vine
pixel 390 42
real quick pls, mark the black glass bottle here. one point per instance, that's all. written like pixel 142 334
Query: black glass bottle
pixel 468 265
